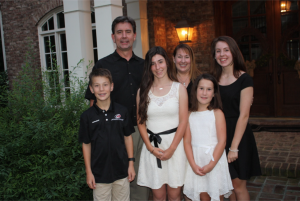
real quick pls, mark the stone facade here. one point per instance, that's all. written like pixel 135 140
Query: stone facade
pixel 20 19
pixel 163 16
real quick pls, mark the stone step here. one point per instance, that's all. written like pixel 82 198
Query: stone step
pixel 279 153
pixel 274 124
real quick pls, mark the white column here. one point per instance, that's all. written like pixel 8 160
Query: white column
pixel 105 13
pixel 137 9
pixel 78 34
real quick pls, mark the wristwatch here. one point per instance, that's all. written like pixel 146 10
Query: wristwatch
pixel 131 159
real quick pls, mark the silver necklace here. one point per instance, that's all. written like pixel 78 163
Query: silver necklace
pixel 183 81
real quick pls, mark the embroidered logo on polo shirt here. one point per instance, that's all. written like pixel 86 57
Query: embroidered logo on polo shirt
pixel 95 121
pixel 117 117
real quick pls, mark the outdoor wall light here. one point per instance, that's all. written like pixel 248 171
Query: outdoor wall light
pixel 285 6
pixel 184 31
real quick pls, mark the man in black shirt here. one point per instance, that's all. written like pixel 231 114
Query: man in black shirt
pixel 127 70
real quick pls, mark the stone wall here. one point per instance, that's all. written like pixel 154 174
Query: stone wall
pixel 163 16
pixel 20 19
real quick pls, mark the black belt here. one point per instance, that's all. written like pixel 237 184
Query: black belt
pixel 157 139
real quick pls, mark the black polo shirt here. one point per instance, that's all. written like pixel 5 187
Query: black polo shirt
pixel 127 76
pixel 105 130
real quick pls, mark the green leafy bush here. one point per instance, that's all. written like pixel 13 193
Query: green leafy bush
pixel 3 88
pixel 40 156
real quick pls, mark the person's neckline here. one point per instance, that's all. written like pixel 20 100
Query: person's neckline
pixel 166 93
pixel 233 82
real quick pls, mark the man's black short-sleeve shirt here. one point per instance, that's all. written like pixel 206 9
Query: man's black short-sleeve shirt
pixel 105 130
pixel 127 76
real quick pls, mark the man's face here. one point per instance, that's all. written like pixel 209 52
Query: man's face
pixel 124 36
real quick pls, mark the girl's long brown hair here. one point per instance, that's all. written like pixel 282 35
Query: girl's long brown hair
pixel 194 71
pixel 238 59
pixel 148 78
pixel 215 103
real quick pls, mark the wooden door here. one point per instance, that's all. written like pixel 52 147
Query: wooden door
pixel 256 26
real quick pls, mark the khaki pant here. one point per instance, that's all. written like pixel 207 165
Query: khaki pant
pixel 137 193
pixel 116 191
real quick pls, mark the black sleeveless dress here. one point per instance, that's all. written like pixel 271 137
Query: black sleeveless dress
pixel 247 164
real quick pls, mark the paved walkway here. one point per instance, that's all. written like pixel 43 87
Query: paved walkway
pixel 270 188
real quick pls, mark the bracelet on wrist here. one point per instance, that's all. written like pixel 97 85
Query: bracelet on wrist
pixel 152 151
pixel 233 150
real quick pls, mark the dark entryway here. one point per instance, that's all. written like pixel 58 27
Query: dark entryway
pixel 268 33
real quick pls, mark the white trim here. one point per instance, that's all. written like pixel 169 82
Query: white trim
pixel 3 44
pixel 111 5
pixel 84 11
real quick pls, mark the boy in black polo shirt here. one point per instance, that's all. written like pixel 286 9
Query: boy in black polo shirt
pixel 105 132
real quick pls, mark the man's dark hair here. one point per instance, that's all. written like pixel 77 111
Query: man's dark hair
pixel 100 72
pixel 122 19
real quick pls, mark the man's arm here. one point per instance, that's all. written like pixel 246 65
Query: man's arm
pixel 90 179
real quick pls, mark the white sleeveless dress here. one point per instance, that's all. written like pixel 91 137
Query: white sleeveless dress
pixel 163 114
pixel 204 139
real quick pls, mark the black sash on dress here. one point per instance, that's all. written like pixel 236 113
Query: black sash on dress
pixel 157 139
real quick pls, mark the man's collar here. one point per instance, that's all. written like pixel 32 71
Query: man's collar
pixel 99 110
pixel 117 56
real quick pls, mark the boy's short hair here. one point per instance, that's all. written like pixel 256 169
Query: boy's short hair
pixel 100 72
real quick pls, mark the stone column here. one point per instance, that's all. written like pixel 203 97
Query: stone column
pixel 78 34
pixel 137 9
pixel 105 12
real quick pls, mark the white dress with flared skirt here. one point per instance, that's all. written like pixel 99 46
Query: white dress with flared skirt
pixel 204 139
pixel 163 115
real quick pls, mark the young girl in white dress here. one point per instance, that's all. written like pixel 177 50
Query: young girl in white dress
pixel 162 115
pixel 207 176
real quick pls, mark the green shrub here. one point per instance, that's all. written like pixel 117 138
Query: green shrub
pixel 3 88
pixel 40 155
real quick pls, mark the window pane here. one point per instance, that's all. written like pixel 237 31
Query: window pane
pixel 93 17
pixel 67 91
pixel 294 35
pixel 66 78
pixel 51 23
pixel 253 38
pixel 95 55
pixel 64 60
pixel 45 27
pixel 54 61
pixel 245 51
pixel 257 7
pixel 240 9
pixel 63 42
pixel 48 62
pixel 293 49
pixel 255 51
pixel 239 24
pixel 243 39
pixel 94 38
pixel 259 23
pixel 46 43
pixel 60 20
pixel 52 43
pixel 288 20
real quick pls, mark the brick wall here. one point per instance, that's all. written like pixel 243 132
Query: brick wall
pixel 19 19
pixel 163 16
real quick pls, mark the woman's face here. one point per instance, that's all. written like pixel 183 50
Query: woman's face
pixel 222 54
pixel 182 61
pixel 159 66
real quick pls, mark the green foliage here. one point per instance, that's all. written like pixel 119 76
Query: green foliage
pixel 3 88
pixel 285 61
pixel 40 155
pixel 263 60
